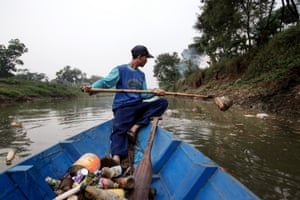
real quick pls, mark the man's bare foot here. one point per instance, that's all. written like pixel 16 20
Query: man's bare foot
pixel 135 128
pixel 131 137
pixel 132 133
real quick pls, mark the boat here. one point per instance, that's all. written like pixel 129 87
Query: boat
pixel 179 170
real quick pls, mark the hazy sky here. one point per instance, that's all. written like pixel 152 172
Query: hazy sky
pixel 96 35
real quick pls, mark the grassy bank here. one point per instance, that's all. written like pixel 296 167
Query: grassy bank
pixel 267 78
pixel 12 90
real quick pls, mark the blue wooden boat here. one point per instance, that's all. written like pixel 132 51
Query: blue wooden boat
pixel 179 170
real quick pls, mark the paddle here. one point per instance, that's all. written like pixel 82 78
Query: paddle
pixel 223 102
pixel 143 172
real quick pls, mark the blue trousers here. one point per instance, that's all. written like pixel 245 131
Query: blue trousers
pixel 126 116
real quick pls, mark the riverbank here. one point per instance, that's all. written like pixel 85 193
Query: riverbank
pixel 266 78
pixel 15 91
pixel 262 96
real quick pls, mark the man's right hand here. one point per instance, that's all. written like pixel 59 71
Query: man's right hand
pixel 87 89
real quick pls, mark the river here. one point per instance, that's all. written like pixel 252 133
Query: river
pixel 263 154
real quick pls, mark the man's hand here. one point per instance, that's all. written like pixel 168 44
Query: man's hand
pixel 87 89
pixel 159 92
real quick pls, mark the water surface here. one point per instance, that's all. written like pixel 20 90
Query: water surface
pixel 261 153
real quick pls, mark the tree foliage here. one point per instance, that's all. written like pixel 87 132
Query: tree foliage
pixel 220 29
pixel 25 74
pixel 230 28
pixel 9 57
pixel 166 70
pixel 69 75
pixel 93 79
pixel 291 6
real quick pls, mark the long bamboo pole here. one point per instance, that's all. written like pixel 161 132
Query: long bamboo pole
pixel 222 102
pixel 149 92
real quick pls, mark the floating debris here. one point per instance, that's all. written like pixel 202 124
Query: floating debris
pixel 262 115
pixel 170 112
pixel 258 115
pixel 16 124
pixel 249 115
pixel 223 102
pixel 10 156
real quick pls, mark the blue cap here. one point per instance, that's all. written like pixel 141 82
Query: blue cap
pixel 140 50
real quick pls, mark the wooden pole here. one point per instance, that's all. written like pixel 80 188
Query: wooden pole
pixel 224 103
pixel 149 92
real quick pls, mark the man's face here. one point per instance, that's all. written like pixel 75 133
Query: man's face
pixel 142 60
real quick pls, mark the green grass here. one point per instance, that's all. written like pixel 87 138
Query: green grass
pixel 277 64
pixel 14 89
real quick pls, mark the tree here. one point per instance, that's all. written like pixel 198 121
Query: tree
pixel 69 75
pixel 9 57
pixel 258 21
pixel 166 70
pixel 94 78
pixel 25 74
pixel 289 12
pixel 230 28
pixel 292 7
pixel 219 25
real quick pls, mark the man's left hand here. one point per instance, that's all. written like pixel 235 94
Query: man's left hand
pixel 159 92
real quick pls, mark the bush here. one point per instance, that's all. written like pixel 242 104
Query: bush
pixel 13 88
pixel 278 59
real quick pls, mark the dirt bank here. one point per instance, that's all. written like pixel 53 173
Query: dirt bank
pixel 284 101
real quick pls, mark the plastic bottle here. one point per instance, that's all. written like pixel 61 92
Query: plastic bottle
pixel 66 183
pixel 89 161
pixel 126 182
pixel 10 156
pixel 73 197
pixel 81 174
pixel 106 183
pixel 53 183
pixel 74 169
pixel 111 172
pixel 100 194
pixel 120 192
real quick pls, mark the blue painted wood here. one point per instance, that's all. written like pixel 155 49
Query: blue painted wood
pixel 30 182
pixel 180 171
pixel 9 190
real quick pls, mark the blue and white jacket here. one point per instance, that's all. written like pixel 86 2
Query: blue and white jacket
pixel 125 77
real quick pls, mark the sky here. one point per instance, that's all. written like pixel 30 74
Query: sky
pixel 95 35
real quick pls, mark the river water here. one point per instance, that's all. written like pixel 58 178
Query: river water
pixel 263 154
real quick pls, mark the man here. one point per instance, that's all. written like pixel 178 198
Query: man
pixel 130 111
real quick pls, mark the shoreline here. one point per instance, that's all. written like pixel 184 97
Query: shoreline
pixel 283 103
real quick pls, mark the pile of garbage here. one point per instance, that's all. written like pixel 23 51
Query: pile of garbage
pixel 91 178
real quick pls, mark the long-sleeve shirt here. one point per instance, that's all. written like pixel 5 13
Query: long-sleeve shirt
pixel 125 77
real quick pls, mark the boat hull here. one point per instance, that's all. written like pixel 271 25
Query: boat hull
pixel 179 170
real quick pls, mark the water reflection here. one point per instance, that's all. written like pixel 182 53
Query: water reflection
pixel 44 124
pixel 262 154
